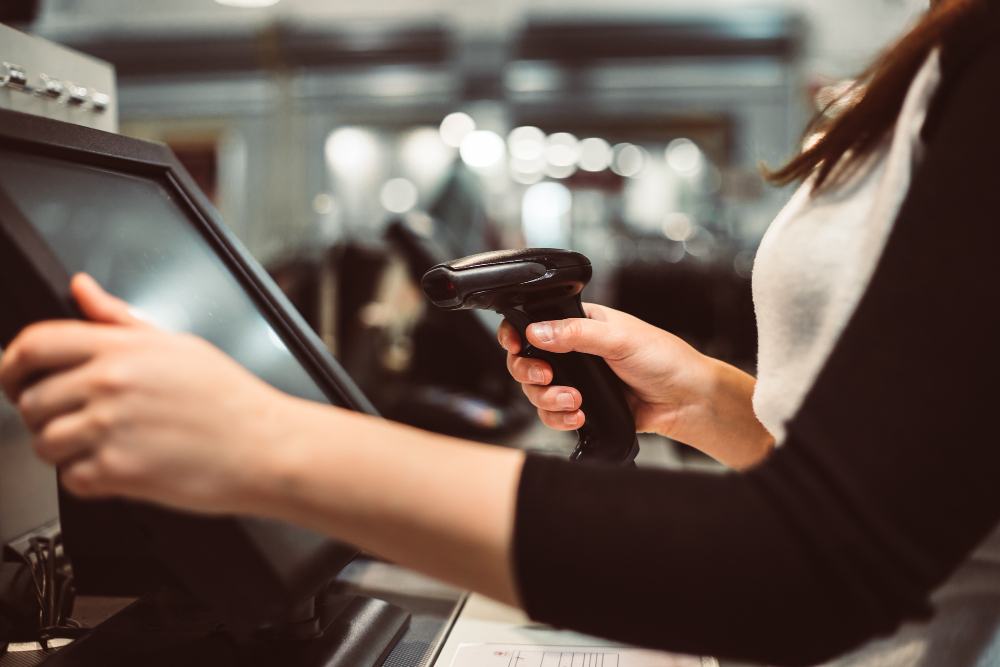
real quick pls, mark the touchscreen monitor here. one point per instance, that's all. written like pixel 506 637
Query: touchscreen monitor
pixel 131 235
pixel 124 211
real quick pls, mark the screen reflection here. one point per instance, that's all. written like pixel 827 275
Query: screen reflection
pixel 136 240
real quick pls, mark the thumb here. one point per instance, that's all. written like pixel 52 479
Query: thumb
pixel 582 335
pixel 98 305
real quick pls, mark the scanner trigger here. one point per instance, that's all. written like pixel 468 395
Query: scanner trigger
pixel 520 321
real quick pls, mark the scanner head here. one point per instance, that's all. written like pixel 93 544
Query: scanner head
pixel 505 279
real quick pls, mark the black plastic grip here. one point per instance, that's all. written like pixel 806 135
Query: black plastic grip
pixel 608 434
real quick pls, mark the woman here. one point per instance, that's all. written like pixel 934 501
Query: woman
pixel 877 376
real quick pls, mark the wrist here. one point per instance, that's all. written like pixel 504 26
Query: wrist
pixel 718 416
pixel 696 405
pixel 267 480
pixel 313 472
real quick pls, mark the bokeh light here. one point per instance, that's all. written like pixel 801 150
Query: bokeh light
pixel 595 154
pixel 562 149
pixel 323 203
pixel 352 152
pixel 526 177
pixel 543 210
pixel 629 160
pixel 423 152
pixel 700 243
pixel 482 149
pixel 559 172
pixel 677 227
pixel 684 156
pixel 398 195
pixel 527 166
pixel 743 263
pixel 526 143
pixel 456 127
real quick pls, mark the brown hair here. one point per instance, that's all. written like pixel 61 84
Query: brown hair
pixel 855 121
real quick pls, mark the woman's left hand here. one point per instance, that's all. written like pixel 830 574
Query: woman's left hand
pixel 124 408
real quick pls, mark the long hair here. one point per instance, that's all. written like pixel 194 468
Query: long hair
pixel 855 121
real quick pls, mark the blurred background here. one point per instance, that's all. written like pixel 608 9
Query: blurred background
pixel 352 145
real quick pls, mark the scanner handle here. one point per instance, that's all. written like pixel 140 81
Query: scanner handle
pixel 608 434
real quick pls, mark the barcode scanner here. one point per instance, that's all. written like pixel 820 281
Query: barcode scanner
pixel 538 285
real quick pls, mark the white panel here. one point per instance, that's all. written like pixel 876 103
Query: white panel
pixel 38 56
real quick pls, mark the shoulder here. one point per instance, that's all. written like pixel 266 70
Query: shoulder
pixel 970 67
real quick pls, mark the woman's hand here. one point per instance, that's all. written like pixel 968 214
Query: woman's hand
pixel 672 389
pixel 124 408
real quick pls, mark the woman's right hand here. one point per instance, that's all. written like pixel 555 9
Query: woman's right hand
pixel 673 389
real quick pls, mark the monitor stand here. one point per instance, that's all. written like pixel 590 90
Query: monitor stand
pixel 171 629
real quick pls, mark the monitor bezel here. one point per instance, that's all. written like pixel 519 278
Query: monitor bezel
pixel 33 135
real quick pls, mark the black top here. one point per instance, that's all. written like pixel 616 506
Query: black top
pixel 889 477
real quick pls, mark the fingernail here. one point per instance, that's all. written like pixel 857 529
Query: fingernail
pixel 503 340
pixel 565 400
pixel 535 374
pixel 543 331
pixel 570 419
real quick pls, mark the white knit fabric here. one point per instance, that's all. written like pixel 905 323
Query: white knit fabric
pixel 811 270
pixel 819 254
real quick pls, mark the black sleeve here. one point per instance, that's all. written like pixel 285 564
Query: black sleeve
pixel 889 477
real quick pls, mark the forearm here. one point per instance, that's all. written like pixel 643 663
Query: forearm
pixel 438 505
pixel 719 418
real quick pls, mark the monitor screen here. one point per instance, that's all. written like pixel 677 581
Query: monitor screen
pixel 27 486
pixel 130 234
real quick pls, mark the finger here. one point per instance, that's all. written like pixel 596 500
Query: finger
pixel 600 313
pixel 53 396
pixel 81 477
pixel 562 421
pixel 582 335
pixel 528 370
pixel 99 306
pixel 50 346
pixel 68 437
pixel 553 399
pixel 509 340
